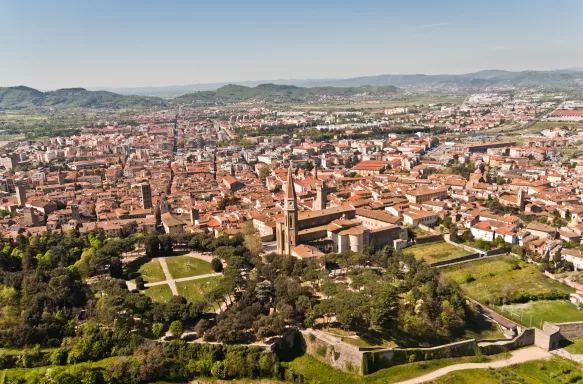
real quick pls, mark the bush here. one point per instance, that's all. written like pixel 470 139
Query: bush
pixel 217 265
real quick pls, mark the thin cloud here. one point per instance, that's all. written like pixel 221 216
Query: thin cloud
pixel 432 25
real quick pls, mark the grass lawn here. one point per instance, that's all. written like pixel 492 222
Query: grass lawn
pixel 150 270
pixel 319 373
pixel 194 290
pixel 437 251
pixel 160 293
pixel 186 266
pixel 574 346
pixel 555 370
pixel 493 279
pixel 558 311
pixel 11 375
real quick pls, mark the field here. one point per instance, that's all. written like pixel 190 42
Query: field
pixel 438 251
pixel 160 293
pixel 320 373
pixel 555 370
pixel 504 279
pixel 537 312
pixel 186 266
pixel 193 290
pixel 151 271
pixel 574 346
pixel 12 375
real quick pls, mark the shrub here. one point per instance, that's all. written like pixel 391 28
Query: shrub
pixel 321 350
pixel 217 265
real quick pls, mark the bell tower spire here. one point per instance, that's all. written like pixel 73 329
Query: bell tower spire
pixel 290 213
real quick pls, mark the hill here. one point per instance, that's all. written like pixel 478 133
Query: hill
pixel 24 97
pixel 558 79
pixel 278 93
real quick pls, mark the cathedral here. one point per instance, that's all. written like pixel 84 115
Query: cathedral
pixel 310 234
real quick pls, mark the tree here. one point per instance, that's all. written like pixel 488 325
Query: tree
pixel 252 241
pixel 264 172
pixel 217 265
pixel 176 328
pixel 152 245
pixel 158 329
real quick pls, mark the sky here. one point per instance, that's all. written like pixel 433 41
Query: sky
pixel 127 43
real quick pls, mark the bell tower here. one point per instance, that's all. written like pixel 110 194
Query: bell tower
pixel 290 216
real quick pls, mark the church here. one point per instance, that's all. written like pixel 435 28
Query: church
pixel 311 234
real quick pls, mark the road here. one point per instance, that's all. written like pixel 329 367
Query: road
pixel 517 357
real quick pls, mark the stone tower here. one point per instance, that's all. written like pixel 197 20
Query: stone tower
pixel 520 199
pixel 321 197
pixel 21 195
pixel 146 196
pixel 290 216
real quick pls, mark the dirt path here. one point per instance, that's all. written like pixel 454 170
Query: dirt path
pixel 520 356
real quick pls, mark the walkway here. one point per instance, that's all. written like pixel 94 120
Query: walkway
pixel 519 356
pixel 567 355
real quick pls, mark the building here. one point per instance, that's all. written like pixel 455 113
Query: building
pixel 421 195
pixel 287 238
pixel 146 196
pixel 21 195
pixel 321 197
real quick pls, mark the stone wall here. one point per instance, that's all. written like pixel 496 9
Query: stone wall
pixel 334 352
pixel 375 360
pixel 444 263
pixel 491 347
pixel 572 330
pixel 548 337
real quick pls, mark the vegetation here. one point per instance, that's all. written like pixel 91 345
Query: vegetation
pixel 438 251
pixel 186 266
pixel 535 313
pixel 505 279
pixel 22 97
pixel 194 290
pixel 313 371
pixel 159 293
pixel 555 370
pixel 274 93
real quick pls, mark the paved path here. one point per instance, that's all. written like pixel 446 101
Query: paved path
pixel 567 355
pixel 169 280
pixel 519 356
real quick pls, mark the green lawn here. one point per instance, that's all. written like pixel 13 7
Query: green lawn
pixel 186 266
pixel 194 290
pixel 555 311
pixel 499 279
pixel 438 251
pixel 554 371
pixel 319 373
pixel 574 346
pixel 11 375
pixel 150 270
pixel 160 293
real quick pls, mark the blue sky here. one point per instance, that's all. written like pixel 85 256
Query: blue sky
pixel 126 43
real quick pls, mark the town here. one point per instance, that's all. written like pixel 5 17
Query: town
pixel 364 238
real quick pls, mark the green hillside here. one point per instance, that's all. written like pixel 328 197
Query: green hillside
pixel 24 97
pixel 275 93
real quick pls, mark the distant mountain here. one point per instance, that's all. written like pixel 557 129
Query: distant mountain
pixel 277 93
pixel 24 97
pixel 559 79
